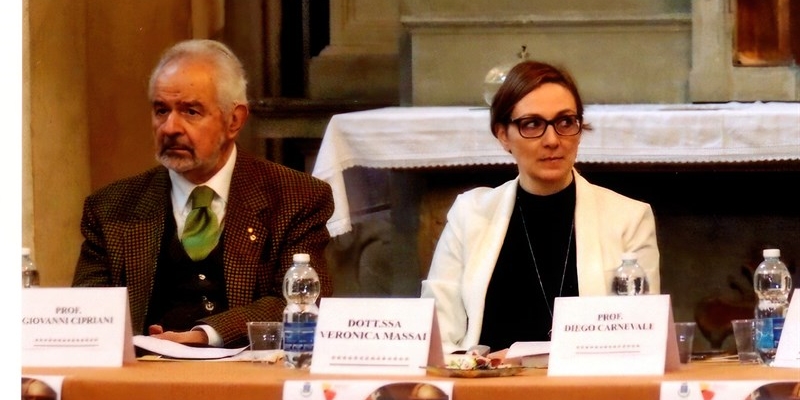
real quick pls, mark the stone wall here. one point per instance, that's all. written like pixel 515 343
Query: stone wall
pixel 619 52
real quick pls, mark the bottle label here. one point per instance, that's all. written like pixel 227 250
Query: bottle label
pixel 298 336
pixel 770 334
pixel 777 328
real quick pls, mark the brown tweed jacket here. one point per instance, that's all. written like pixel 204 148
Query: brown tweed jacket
pixel 273 212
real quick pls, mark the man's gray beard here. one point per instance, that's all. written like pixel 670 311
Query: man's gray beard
pixel 177 164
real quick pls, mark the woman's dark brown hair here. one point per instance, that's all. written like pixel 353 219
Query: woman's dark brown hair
pixel 524 78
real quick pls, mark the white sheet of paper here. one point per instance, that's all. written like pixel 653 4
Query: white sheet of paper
pixel 788 354
pixel 528 354
pixel 76 327
pixel 366 389
pixel 521 349
pixel 180 351
pixel 612 335
pixel 378 336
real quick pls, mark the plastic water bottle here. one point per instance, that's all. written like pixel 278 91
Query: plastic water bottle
pixel 772 284
pixel 629 278
pixel 30 275
pixel 300 288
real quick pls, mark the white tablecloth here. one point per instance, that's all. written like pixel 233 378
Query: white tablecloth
pixel 412 137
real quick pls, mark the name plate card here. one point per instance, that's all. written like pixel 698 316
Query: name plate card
pixel 76 327
pixel 788 354
pixel 392 336
pixel 612 335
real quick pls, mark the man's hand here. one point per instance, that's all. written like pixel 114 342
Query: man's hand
pixel 190 338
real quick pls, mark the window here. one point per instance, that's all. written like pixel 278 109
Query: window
pixel 767 33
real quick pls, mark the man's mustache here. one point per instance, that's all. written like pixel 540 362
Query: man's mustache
pixel 174 145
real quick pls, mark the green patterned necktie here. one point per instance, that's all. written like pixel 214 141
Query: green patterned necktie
pixel 201 232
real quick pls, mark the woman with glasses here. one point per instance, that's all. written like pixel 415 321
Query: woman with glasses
pixel 506 253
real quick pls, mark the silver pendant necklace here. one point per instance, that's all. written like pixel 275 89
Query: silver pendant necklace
pixel 536 266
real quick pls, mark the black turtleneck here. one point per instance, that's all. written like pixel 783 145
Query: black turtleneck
pixel 516 309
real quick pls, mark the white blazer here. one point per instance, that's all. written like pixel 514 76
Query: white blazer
pixel 607 224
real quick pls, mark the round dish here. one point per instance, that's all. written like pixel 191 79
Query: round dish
pixel 474 373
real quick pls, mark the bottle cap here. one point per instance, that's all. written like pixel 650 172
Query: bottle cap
pixel 772 252
pixel 26 251
pixel 629 256
pixel 301 257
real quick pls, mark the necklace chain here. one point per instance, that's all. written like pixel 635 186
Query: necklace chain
pixel 536 266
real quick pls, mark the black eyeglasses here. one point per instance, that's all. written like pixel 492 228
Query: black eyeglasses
pixel 534 127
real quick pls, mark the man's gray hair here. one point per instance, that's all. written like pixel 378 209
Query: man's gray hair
pixel 231 79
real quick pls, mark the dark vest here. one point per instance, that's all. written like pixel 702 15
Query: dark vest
pixel 184 290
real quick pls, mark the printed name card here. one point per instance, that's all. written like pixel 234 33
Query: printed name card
pixel 393 336
pixel 788 354
pixel 76 327
pixel 612 335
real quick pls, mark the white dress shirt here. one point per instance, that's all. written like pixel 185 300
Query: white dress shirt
pixel 181 206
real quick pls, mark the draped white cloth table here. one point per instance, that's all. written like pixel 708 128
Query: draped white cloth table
pixel 425 137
